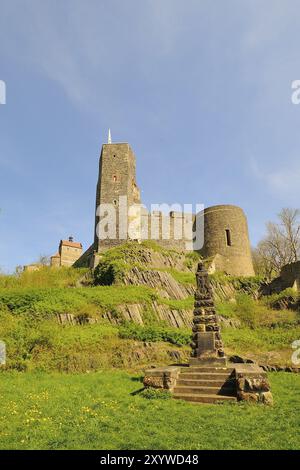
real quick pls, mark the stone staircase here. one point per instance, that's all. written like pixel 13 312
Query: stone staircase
pixel 200 384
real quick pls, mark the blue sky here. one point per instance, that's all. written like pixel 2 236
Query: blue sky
pixel 200 89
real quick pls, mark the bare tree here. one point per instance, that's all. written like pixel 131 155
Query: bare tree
pixel 44 260
pixel 281 245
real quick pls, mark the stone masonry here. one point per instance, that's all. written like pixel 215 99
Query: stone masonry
pixel 68 253
pixel 207 342
pixel 207 378
pixel 226 240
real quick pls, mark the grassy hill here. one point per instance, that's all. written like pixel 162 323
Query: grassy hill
pixel 122 324
pixel 77 345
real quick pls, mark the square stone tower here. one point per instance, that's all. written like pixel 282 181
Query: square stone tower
pixel 117 178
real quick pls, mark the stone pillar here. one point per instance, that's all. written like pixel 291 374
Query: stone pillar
pixel 207 345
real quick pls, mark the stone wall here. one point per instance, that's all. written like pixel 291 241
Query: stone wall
pixel 289 277
pixel 166 229
pixel 225 227
pixel 116 178
pixel 69 254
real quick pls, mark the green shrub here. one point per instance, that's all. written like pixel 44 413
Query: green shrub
pixel 247 284
pixel 246 310
pixel 155 333
pixel 151 393
pixel 109 272
pixel 191 259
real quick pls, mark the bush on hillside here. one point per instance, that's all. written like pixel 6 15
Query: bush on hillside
pixel 109 272
pixel 154 333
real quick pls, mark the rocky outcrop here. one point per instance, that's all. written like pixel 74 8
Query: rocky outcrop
pixel 160 259
pixel 134 313
pixel 221 292
pixel 165 284
pixel 163 313
pixel 173 317
pixel 160 270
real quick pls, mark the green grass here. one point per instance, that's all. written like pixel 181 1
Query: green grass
pixel 183 277
pixel 181 304
pixel 240 283
pixel 261 339
pixel 178 336
pixel 44 277
pixel 46 302
pixel 34 339
pixel 256 314
pixel 97 411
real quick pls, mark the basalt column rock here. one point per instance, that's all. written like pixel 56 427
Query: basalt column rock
pixel 207 344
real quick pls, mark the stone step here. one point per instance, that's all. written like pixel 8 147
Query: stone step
pixel 205 376
pixel 196 390
pixel 208 383
pixel 193 369
pixel 204 398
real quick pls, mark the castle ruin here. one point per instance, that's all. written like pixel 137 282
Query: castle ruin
pixel 225 230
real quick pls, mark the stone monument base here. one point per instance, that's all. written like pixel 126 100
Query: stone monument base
pixel 208 361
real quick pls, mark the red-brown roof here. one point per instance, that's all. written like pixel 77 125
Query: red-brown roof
pixel 73 244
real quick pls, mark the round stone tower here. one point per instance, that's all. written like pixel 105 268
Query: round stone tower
pixel 226 240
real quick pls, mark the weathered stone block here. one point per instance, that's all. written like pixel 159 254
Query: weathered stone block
pixel 152 381
pixel 205 341
pixel 267 398
pixel 251 381
pixel 161 377
pixel 258 384
pixel 249 397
